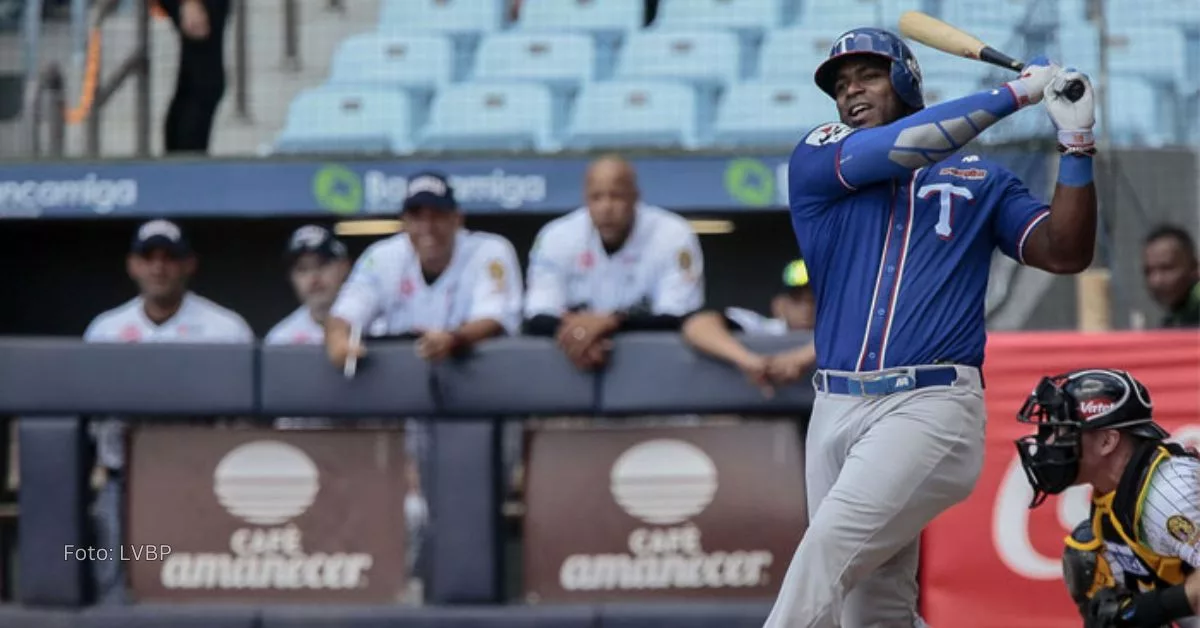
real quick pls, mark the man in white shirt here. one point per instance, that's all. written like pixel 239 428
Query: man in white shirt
pixel 318 264
pixel 614 265
pixel 792 309
pixel 448 287
pixel 161 263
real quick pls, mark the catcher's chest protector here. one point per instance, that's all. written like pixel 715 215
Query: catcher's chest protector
pixel 1114 521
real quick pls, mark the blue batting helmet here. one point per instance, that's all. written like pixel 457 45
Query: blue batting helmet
pixel 906 74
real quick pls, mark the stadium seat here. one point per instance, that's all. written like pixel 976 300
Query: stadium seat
pixel 609 18
pixel 1023 14
pixel 742 15
pixel 334 119
pixel 492 116
pixel 406 61
pixel 1138 116
pixel 442 16
pixel 1184 13
pixel 562 61
pixel 701 58
pixel 1155 53
pixel 794 53
pixel 838 16
pixel 614 114
pixel 770 113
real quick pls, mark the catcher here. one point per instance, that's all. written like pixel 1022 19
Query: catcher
pixel 1133 563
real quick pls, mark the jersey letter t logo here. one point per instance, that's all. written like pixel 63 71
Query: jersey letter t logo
pixel 946 192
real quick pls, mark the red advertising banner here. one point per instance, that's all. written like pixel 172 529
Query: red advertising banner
pixel 990 562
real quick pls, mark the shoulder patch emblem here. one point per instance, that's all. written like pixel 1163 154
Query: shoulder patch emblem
pixel 496 269
pixel 1182 529
pixel 831 133
pixel 685 260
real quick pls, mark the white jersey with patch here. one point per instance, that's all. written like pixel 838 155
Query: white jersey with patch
pixel 483 281
pixel 1171 512
pixel 198 321
pixel 660 269
pixel 754 323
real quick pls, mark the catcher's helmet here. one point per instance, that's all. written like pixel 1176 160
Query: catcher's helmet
pixel 1064 406
pixel 906 74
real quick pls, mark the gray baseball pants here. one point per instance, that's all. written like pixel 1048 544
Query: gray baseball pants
pixel 878 470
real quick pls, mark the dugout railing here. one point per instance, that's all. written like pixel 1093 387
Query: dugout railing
pixel 53 384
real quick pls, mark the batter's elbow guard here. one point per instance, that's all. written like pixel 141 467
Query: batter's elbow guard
pixel 1080 557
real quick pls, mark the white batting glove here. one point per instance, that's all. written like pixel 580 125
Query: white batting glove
pixel 1031 85
pixel 1074 120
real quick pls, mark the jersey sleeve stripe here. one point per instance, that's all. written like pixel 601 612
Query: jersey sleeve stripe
pixel 837 168
pixel 1044 214
pixel 891 306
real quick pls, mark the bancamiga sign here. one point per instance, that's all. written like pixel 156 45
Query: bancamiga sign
pixel 264 515
pixel 645 513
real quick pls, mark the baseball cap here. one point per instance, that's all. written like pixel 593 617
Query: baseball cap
pixel 795 274
pixel 160 234
pixel 430 189
pixel 314 239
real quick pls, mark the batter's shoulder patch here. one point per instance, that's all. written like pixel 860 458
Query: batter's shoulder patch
pixel 826 134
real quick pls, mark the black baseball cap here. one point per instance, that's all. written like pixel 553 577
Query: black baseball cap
pixel 160 234
pixel 430 189
pixel 314 239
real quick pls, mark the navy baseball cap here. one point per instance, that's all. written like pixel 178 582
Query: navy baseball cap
pixel 161 234
pixel 314 239
pixel 429 189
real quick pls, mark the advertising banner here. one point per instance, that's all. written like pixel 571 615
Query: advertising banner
pixel 365 188
pixel 991 562
pixel 249 515
pixel 708 512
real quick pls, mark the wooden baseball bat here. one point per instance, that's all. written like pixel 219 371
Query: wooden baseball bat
pixel 937 34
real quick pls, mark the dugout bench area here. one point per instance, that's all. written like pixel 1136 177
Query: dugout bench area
pixel 51 384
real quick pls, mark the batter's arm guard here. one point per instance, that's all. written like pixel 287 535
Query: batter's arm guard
pixel 926 137
pixel 1084 568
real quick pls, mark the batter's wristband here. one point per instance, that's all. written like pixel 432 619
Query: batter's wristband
pixel 1075 170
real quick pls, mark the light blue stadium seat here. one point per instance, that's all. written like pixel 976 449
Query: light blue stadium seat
pixel 515 116
pixel 333 119
pixel 418 62
pixel 1154 12
pixel 1157 53
pixel 562 60
pixel 607 22
pixel 1027 14
pixel 794 53
pixel 1028 124
pixel 838 16
pixel 701 58
pixel 770 113
pixel 442 16
pixel 748 15
pixel 615 114
pixel 1138 116
pixel 610 18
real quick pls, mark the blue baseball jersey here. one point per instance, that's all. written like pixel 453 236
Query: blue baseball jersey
pixel 899 257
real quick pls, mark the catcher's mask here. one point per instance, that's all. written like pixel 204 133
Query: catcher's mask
pixel 1063 407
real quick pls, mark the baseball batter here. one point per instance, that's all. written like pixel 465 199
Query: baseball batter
pixel 1133 563
pixel 898 231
